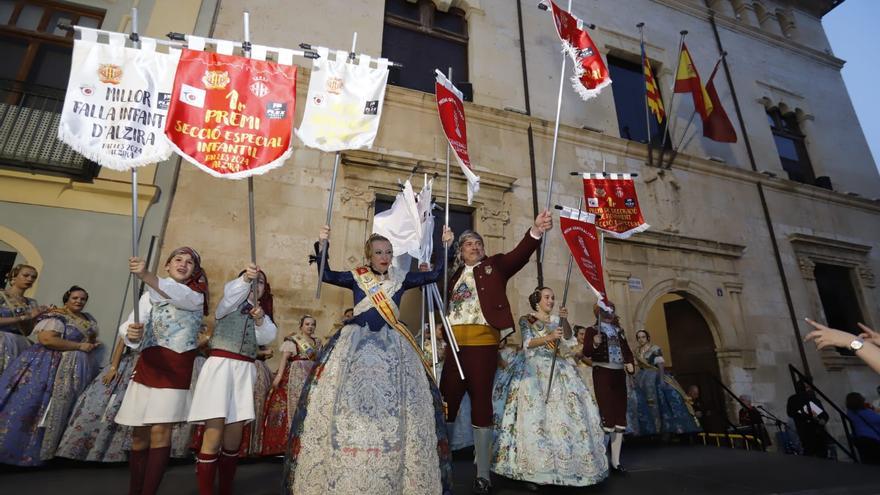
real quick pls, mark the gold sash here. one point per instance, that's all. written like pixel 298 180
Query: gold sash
pixel 305 347
pixel 385 306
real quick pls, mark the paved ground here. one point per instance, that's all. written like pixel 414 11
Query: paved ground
pixel 654 470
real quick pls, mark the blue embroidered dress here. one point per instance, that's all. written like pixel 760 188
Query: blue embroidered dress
pixel 369 419
pixel 39 389
pixel 557 442
pixel 13 339
pixel 660 401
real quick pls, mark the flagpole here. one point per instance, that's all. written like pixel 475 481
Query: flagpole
pixel 135 38
pixel 641 26
pixel 564 300
pixel 322 256
pixel 246 51
pixel 446 246
pixel 670 113
pixel 553 152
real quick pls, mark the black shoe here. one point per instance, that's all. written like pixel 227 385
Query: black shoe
pixel 482 485
pixel 619 469
pixel 532 487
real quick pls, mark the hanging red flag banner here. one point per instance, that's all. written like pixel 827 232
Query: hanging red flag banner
pixel 579 230
pixel 232 116
pixel 613 198
pixel 590 72
pixel 451 108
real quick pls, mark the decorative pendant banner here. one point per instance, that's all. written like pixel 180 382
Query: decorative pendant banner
pixel 613 198
pixel 117 101
pixel 579 230
pixel 590 72
pixel 451 108
pixel 344 103
pixel 232 116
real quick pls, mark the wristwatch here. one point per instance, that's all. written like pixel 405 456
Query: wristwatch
pixel 856 344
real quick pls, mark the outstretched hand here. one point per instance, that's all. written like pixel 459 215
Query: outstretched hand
pixel 824 336
pixel 543 223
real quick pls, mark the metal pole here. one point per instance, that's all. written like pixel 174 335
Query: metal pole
pixel 246 50
pixel 553 152
pixel 446 326
pixel 446 246
pixel 641 27
pixel 422 317
pixel 322 255
pixel 432 324
pixel 134 195
pixel 564 300
pixel 669 112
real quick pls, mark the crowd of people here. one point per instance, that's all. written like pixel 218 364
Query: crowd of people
pixel 364 411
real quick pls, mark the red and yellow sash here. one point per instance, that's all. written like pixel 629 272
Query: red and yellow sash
pixel 371 286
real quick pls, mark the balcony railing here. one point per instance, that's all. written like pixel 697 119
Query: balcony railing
pixel 29 117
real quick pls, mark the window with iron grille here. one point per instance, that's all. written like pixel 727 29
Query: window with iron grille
pixel 33 78
pixel 422 38
pixel 790 146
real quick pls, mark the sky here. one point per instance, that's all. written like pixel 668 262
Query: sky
pixel 851 29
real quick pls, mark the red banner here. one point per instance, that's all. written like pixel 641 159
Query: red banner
pixel 612 197
pixel 451 108
pixel 580 234
pixel 232 116
pixel 590 72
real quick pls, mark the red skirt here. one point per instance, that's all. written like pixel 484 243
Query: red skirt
pixel 281 406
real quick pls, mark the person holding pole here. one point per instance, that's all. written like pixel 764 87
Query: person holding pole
pixel 158 394
pixel 370 418
pixel 555 440
pixel 478 311
pixel 605 343
pixel 223 397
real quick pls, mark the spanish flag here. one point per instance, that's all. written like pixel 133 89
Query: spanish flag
pixel 687 80
pixel 655 103
pixel 716 124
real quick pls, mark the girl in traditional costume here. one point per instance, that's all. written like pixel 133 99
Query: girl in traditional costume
pixel 252 440
pixel 159 393
pixel 40 387
pixel 224 393
pixel 555 440
pixel 298 353
pixel 92 433
pixel 662 407
pixel 370 419
pixel 17 313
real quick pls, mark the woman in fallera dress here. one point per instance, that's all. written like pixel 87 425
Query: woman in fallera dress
pixel 555 440
pixel 92 433
pixel 298 353
pixel 40 387
pixel 662 407
pixel 17 313
pixel 370 419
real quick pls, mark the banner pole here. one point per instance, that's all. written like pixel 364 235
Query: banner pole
pixel 446 246
pixel 553 152
pixel 322 256
pixel 134 194
pixel 432 323
pixel 564 300
pixel 246 51
pixel 669 112
pixel 446 326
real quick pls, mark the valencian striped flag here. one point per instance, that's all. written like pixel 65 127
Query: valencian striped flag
pixel 655 103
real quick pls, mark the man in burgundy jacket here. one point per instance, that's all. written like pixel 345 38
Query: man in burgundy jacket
pixel 605 343
pixel 478 312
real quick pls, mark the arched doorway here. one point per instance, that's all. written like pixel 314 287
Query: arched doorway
pixel 680 329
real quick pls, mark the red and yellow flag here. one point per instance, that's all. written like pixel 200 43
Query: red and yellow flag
pixel 687 80
pixel 655 103
pixel 718 126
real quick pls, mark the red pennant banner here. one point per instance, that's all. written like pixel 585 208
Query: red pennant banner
pixel 590 72
pixel 451 108
pixel 232 116
pixel 612 197
pixel 579 230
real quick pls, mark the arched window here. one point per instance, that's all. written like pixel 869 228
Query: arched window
pixel 422 38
